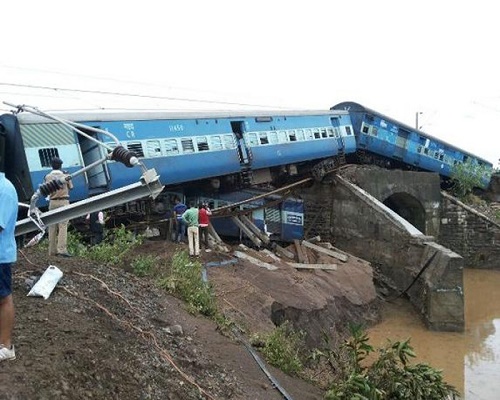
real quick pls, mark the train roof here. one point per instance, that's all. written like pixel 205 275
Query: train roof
pixel 142 115
pixel 356 107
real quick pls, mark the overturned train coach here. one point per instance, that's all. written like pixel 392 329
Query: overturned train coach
pixel 382 139
pixel 281 218
pixel 239 147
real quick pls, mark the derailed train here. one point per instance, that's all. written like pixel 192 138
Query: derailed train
pixel 222 148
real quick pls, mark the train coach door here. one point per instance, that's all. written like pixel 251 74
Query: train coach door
pixel 244 153
pixel 336 129
pixel 97 177
pixel 401 140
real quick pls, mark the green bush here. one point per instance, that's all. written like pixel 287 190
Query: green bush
pixel 466 177
pixel 390 376
pixel 142 265
pixel 116 245
pixel 185 280
pixel 282 348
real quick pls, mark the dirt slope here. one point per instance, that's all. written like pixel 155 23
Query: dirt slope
pixel 104 334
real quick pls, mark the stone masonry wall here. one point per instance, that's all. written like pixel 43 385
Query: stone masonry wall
pixel 361 227
pixel 470 234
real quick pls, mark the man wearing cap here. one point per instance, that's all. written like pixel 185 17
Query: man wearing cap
pixel 58 233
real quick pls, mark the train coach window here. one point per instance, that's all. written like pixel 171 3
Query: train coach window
pixel 300 135
pixel 309 134
pixel 331 132
pixel 229 142
pixel 153 148
pixel 292 136
pixel 202 143
pixel 46 156
pixel 136 148
pixel 365 129
pixel 282 137
pixel 317 134
pixel 215 142
pixel 374 131
pixel 273 137
pixel 348 130
pixel 324 134
pixel 263 138
pixel 252 139
pixel 171 147
pixel 187 145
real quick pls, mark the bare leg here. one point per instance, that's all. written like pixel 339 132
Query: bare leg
pixel 6 320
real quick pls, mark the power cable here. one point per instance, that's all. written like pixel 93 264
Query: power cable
pixel 103 92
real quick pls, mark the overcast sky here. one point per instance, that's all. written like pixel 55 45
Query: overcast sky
pixel 397 57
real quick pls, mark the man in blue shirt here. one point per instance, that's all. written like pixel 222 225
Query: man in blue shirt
pixel 8 255
pixel 180 227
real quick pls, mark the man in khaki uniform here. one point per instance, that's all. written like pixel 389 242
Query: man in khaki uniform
pixel 58 233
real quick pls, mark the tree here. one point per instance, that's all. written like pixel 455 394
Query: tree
pixel 467 176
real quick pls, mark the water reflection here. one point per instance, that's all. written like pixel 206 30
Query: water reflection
pixel 471 360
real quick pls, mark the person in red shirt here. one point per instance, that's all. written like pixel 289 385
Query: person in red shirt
pixel 203 223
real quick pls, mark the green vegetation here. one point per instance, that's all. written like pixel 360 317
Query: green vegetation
pixel 466 177
pixel 143 265
pixel 282 348
pixel 390 376
pixel 185 280
pixel 117 244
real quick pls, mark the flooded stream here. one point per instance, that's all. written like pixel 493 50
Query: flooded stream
pixel 470 360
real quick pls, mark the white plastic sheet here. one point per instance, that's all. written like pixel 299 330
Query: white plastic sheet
pixel 47 282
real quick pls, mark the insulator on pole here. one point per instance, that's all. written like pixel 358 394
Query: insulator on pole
pixel 50 187
pixel 126 157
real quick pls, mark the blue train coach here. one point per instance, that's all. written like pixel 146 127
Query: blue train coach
pixel 282 218
pixel 253 146
pixel 402 145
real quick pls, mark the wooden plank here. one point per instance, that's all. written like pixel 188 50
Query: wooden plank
pixel 330 267
pixel 312 257
pixel 301 255
pixel 247 231
pixel 255 229
pixel 319 249
pixel 284 252
pixel 212 232
pixel 270 254
pixel 315 239
pixel 253 260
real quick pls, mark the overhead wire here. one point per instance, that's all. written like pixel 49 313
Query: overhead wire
pixel 137 95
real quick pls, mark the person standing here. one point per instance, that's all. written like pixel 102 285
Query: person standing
pixel 58 233
pixel 204 221
pixel 180 227
pixel 96 226
pixel 190 218
pixel 8 256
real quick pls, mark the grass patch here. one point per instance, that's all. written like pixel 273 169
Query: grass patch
pixel 143 265
pixel 185 281
pixel 282 348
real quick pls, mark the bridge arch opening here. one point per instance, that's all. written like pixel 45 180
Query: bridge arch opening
pixel 408 207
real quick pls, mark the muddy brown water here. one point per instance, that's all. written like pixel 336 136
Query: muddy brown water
pixel 470 360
